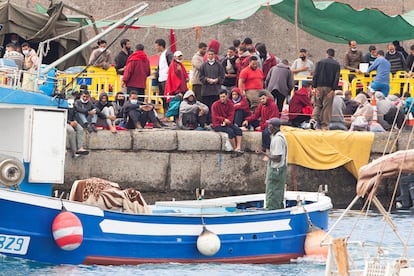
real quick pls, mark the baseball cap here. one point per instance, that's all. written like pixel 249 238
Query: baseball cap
pixel 274 122
pixel 178 53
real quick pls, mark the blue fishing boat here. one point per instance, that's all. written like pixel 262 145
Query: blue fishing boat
pixel 34 225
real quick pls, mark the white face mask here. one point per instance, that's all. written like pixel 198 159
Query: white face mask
pixel 14 41
pixel 101 49
pixel 84 101
pixel 134 101
pixel 25 52
pixel 354 49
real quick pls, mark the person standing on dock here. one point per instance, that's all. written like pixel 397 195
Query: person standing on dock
pixel 325 81
pixel 276 172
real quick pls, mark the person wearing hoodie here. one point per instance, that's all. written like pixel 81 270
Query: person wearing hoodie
pixel 193 113
pixel 363 115
pixel 137 69
pixel 279 82
pixel 222 114
pixel 300 106
pixel 215 46
pixel 387 111
pixel 106 113
pixel 265 111
pixel 241 106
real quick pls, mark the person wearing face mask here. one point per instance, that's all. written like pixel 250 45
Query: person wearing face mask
pixel 14 38
pixel 136 114
pixel 177 78
pixel 353 57
pixel 302 66
pixel 101 56
pixel 396 59
pixel 31 60
pixel 211 76
pixel 86 114
pixel 230 68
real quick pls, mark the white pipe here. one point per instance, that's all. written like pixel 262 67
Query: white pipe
pixel 89 42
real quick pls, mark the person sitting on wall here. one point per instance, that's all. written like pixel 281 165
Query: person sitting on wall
pixel 86 112
pixel 266 110
pixel 300 106
pixel 106 113
pixel 136 114
pixel 222 116
pixel 193 113
pixel 75 135
pixel 241 107
pixel 117 105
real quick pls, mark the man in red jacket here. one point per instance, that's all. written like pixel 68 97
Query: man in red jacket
pixel 266 110
pixel 137 69
pixel 222 116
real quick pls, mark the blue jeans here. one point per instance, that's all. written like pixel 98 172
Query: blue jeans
pixel 383 87
pixel 82 119
pixel 265 139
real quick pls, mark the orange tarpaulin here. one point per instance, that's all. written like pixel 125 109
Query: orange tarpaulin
pixel 324 150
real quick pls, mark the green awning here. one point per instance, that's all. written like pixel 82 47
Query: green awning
pixel 328 20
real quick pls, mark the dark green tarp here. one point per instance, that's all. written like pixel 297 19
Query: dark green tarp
pixel 328 20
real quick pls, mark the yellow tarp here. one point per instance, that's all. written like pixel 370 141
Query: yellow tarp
pixel 324 150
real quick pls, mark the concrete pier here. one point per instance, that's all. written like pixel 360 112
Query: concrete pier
pixel 165 164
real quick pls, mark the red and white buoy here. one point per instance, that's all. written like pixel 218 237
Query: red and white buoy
pixel 67 231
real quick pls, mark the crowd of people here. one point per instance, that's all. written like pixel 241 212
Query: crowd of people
pixel 246 89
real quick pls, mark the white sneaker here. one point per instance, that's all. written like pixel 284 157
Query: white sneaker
pixel 312 124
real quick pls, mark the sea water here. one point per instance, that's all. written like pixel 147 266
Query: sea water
pixel 369 227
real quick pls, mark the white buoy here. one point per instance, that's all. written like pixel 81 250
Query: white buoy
pixel 208 243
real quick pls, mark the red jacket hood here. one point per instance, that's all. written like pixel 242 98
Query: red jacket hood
pixel 138 55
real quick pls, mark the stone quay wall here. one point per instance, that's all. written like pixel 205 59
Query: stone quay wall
pixel 164 164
